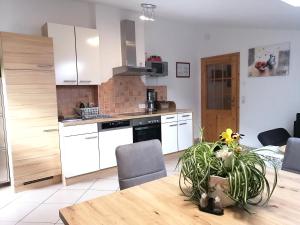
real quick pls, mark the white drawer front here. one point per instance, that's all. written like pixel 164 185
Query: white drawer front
pixel 169 118
pixel 185 116
pixel 79 129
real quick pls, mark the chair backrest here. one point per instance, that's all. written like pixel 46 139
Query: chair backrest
pixel 291 160
pixel 139 163
pixel 277 137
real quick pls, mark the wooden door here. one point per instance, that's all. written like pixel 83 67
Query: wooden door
pixel 219 94
pixel 29 81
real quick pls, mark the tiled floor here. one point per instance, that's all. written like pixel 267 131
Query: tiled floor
pixel 40 207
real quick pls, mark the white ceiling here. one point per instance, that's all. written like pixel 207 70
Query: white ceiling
pixel 241 13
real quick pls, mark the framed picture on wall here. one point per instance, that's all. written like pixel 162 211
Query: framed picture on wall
pixel 271 60
pixel 183 70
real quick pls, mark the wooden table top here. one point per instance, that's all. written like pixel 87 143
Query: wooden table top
pixel 161 202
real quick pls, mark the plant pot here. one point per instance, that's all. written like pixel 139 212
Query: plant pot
pixel 219 186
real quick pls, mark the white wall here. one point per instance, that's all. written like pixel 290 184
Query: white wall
pixel 176 42
pixel 108 24
pixel 270 102
pixel 27 16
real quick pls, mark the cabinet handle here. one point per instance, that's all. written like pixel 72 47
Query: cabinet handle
pixel 45 65
pixel 69 81
pixel 85 81
pixel 186 115
pixel 50 130
pixel 174 125
pixel 183 124
pixel 172 117
pixel 94 137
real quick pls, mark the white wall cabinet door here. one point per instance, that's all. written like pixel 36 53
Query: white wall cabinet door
pixel 64 53
pixel 109 141
pixel 169 137
pixel 80 154
pixel 185 134
pixel 88 56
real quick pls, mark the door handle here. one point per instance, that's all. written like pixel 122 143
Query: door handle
pixel 233 101
pixel 94 137
pixel 85 81
pixel 183 124
pixel 50 130
pixel 174 125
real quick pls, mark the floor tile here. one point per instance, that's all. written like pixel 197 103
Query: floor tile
pixel 106 185
pixel 91 194
pixel 7 223
pixel 65 196
pixel 16 211
pixel 45 213
pixel 80 186
pixel 38 195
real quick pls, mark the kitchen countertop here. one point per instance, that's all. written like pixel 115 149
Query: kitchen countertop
pixel 123 117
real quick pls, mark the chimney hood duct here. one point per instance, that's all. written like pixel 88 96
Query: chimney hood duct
pixel 128 49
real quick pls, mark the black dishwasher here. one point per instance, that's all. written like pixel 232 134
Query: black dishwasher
pixel 147 128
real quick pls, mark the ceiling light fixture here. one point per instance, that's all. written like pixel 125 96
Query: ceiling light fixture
pixel 295 3
pixel 147 12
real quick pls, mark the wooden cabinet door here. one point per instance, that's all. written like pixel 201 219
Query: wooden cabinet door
pixel 32 108
pixel 219 94
pixel 64 52
pixel 169 137
pixel 88 56
pixel 26 52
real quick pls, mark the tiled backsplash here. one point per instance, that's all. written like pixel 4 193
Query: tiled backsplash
pixel 123 94
pixel 117 95
pixel 69 97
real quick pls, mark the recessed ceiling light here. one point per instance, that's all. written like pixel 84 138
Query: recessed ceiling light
pixel 295 3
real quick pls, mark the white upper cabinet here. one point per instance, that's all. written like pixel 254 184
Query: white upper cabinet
pixel 76 54
pixel 88 56
pixel 64 52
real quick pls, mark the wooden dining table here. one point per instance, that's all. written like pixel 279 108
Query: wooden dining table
pixel 161 202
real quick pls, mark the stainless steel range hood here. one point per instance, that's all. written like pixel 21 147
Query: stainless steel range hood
pixel 128 49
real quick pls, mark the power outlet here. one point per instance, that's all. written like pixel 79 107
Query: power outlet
pixel 142 106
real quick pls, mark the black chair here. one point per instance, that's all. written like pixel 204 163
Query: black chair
pixel 276 137
pixel 292 156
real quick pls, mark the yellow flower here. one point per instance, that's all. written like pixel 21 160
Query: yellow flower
pixel 226 136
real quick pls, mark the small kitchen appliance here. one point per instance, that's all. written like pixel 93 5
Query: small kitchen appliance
pixel 151 100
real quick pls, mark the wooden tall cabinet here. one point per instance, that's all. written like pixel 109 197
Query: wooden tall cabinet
pixel 30 93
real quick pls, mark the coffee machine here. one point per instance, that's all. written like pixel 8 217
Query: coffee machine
pixel 151 100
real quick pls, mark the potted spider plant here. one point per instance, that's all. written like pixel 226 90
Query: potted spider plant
pixel 226 170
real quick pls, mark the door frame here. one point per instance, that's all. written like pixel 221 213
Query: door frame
pixel 202 79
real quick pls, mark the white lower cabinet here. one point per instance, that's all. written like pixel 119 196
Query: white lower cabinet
pixel 185 134
pixel 109 141
pixel 80 154
pixel 169 137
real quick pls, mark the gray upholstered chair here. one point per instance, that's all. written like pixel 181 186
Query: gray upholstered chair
pixel 291 160
pixel 139 163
